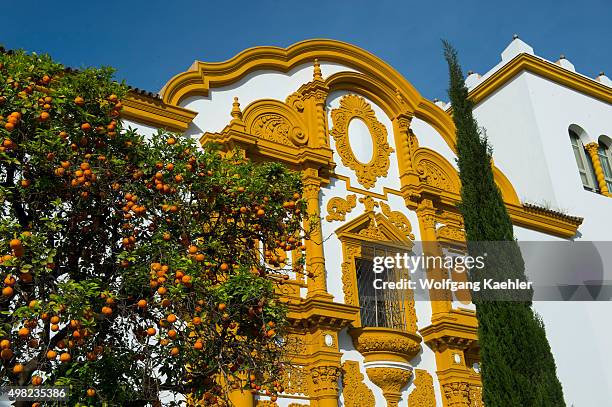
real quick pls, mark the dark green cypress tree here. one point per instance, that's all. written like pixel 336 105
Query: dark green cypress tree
pixel 518 369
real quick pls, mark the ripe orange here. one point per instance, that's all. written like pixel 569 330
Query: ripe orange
pixel 172 333
pixel 196 320
pixel 175 351
pixel 44 116
pixel 5 344
pixel 142 303
pixel 18 368
pixel 91 392
pixel 171 141
pixel 51 354
pixel 171 318
pixel 222 307
pixel 107 310
pixel 79 101
pixel 169 166
pixel 9 126
pixel 162 290
pixel 193 249
pixel 9 280
pixel 23 332
pixel 65 357
pixel 37 380
pixel 15 244
pixel 198 345
pixel 151 331
pixel 113 98
pixel 86 127
pixel 6 354
pixel 55 319
pixel 7 291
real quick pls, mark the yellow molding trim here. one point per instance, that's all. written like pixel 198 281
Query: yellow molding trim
pixel 544 221
pixel 202 76
pixel 545 69
pixel 154 112
pixel 384 196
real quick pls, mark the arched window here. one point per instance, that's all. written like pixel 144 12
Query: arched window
pixel 585 165
pixel 605 157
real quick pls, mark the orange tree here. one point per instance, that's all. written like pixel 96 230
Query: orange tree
pixel 132 265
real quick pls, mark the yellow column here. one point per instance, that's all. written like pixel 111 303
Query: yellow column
pixel 325 385
pixel 592 149
pixel 440 299
pixel 315 261
pixel 242 398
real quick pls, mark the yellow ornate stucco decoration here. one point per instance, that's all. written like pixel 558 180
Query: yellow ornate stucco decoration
pixel 356 393
pixel 367 229
pixel 294 379
pixel 355 107
pixel 398 219
pixel 384 344
pixel 391 381
pixel 272 120
pixel 593 149
pixel 324 382
pixel 337 207
pixel 462 394
pixel 423 395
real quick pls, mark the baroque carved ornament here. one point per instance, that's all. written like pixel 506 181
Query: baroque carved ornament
pixel 423 395
pixel 337 207
pixel 356 392
pixel 356 107
pixel 274 127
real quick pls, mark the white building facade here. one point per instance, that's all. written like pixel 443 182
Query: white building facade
pixel 379 170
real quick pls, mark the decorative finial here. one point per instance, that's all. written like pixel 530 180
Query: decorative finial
pixel 236 112
pixel 515 37
pixel 562 56
pixel 602 73
pixel 470 73
pixel 317 71
pixel 436 100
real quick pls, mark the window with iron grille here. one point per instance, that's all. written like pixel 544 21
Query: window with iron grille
pixel 380 308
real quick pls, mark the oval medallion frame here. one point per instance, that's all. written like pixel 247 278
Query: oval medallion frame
pixel 355 107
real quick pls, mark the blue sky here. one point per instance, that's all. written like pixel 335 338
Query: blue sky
pixel 150 41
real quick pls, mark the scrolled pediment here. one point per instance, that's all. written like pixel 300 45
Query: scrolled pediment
pixel 435 171
pixel 272 120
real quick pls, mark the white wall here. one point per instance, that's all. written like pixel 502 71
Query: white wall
pixel 527 123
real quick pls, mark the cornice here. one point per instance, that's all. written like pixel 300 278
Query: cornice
pixel 545 69
pixel 202 76
pixel 321 312
pixel 153 111
pixel 543 220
